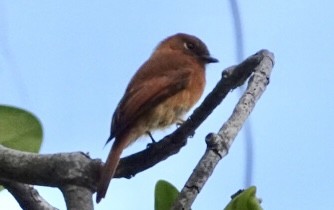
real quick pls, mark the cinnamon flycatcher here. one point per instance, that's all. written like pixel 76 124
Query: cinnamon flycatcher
pixel 164 88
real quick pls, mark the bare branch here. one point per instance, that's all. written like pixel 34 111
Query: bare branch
pixel 27 196
pixel 77 197
pixel 54 170
pixel 219 144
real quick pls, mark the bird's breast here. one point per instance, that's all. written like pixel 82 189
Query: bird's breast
pixel 173 108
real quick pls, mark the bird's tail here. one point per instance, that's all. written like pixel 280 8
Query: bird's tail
pixel 109 168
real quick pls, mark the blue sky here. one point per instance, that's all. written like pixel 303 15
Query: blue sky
pixel 69 62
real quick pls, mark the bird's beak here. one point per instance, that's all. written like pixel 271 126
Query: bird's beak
pixel 209 59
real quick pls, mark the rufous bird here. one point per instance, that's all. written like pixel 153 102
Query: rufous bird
pixel 164 88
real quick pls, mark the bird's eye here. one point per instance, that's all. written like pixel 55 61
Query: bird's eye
pixel 189 46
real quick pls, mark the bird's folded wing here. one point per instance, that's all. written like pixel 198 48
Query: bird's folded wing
pixel 147 95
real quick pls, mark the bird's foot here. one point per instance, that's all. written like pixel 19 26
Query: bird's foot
pixel 152 139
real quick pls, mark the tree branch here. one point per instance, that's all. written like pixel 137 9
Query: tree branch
pixel 77 197
pixel 53 170
pixel 27 196
pixel 219 144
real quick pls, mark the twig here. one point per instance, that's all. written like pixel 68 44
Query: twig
pixel 219 144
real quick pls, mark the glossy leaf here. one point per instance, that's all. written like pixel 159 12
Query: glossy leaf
pixel 165 194
pixel 245 200
pixel 20 129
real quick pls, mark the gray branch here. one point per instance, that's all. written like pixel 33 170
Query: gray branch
pixel 77 197
pixel 54 170
pixel 74 173
pixel 219 144
pixel 27 196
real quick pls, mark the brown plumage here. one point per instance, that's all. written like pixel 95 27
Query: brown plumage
pixel 165 87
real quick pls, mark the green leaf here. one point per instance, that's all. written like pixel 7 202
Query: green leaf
pixel 20 129
pixel 245 200
pixel 165 195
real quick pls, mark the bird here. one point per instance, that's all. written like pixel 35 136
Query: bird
pixel 163 89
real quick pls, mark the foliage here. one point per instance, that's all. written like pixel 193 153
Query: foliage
pixel 245 200
pixel 165 195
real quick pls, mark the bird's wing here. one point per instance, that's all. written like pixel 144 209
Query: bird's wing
pixel 146 95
